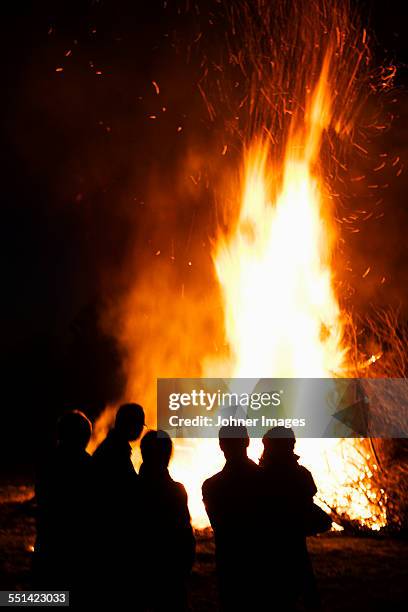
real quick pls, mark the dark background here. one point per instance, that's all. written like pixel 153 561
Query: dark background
pixel 77 147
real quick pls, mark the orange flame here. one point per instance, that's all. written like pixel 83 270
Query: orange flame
pixel 275 265
pixel 282 317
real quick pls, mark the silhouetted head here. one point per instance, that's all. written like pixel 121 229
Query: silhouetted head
pixel 156 448
pixel 278 442
pixel 74 430
pixel 129 422
pixel 234 441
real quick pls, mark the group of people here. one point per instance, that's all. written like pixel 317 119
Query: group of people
pixel 260 515
pixel 114 537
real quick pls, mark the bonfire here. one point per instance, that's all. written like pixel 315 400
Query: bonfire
pixel 289 105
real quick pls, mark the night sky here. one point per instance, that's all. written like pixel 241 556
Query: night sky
pixel 79 153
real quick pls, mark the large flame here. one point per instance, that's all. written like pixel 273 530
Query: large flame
pixel 274 264
pixel 282 317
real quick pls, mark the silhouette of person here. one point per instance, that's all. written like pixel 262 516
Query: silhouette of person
pixel 233 503
pixel 63 517
pixel 168 552
pixel 112 458
pixel 116 495
pixel 289 489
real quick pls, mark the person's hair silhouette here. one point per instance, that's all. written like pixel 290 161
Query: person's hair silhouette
pixel 156 448
pixel 234 442
pixel 278 442
pixel 74 430
pixel 129 421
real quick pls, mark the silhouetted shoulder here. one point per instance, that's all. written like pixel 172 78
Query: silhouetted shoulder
pixel 112 461
pixel 248 469
pixel 180 491
pixel 252 466
pixel 211 486
pixel 211 482
pixel 307 480
pixel 230 487
pixel 181 504
pixel 180 500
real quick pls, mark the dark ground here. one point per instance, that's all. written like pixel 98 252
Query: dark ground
pixel 354 574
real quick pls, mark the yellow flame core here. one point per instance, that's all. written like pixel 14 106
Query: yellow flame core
pixel 282 318
pixel 281 315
